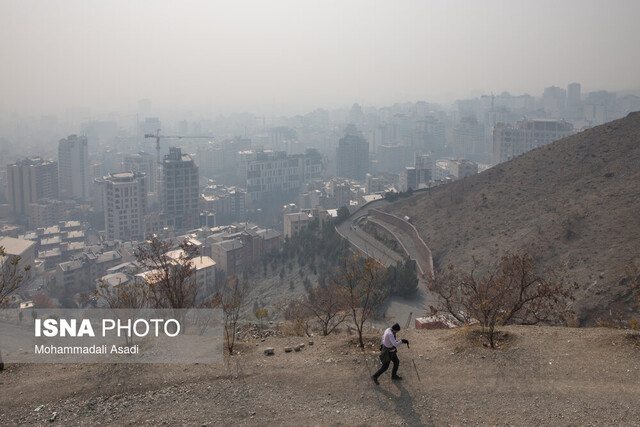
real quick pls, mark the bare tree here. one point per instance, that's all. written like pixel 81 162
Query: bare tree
pixel 360 281
pixel 233 294
pixel 128 295
pixel 11 277
pixel 513 291
pixel 42 300
pixel 260 314
pixel 171 278
pixel 295 311
pixel 327 305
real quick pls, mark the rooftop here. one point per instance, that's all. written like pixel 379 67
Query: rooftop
pixel 201 262
pixel 122 267
pixel 230 245
pixel 51 253
pixel 75 234
pixel 71 265
pixel 14 246
pixel 108 256
pixel 51 241
pixel 298 216
pixel 51 230
pixel 269 233
pixel 115 279
pixel 71 224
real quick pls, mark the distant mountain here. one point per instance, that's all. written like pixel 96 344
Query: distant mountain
pixel 573 204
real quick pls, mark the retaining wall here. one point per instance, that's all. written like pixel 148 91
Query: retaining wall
pixel 426 259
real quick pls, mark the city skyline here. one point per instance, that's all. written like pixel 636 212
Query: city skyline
pixel 292 57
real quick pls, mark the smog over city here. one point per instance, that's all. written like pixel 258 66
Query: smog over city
pixel 300 181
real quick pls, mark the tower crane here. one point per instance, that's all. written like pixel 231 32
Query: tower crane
pixel 157 136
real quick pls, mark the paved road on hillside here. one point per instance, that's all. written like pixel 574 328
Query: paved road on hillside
pixel 398 308
pixel 407 241
pixel 363 241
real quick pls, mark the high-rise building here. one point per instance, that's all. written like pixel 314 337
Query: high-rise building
pixel 408 179
pixel 125 203
pixel 180 189
pixel 392 158
pixel 211 159
pixel 511 141
pixel 554 100
pixel 425 165
pixel 142 162
pixel 574 101
pixel 29 181
pixel 352 155
pixel 573 94
pixel 271 172
pixel 73 168
pixel 468 140
pixel 424 161
pixel 429 134
pixel 374 184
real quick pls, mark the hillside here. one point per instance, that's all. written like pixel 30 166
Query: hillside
pixel 573 204
pixel 542 376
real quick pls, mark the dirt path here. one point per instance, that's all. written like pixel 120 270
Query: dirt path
pixel 544 376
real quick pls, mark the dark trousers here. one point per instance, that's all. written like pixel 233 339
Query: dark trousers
pixel 385 366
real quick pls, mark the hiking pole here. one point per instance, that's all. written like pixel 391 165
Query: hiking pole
pixel 414 366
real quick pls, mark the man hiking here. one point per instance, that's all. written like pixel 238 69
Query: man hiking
pixel 389 353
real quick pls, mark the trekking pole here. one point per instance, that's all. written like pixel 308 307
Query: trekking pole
pixel 414 365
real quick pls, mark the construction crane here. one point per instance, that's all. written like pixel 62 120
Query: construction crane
pixel 157 136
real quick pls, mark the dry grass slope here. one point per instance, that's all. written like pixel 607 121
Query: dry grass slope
pixel 572 204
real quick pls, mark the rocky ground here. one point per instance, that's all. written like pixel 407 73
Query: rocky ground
pixel 539 376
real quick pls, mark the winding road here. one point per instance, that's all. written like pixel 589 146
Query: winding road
pixel 399 308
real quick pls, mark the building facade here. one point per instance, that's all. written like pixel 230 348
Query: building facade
pixel 142 162
pixel 29 181
pixel 73 171
pixel 512 141
pixel 352 155
pixel 271 172
pixel 180 190
pixel 125 202
pixel 294 222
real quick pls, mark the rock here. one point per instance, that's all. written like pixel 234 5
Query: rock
pixel 287 349
pixel 269 351
pixel 296 348
pixel 310 342
pixel 301 345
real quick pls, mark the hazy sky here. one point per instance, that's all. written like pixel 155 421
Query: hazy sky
pixel 292 56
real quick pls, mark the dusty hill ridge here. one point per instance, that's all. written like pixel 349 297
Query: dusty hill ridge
pixel 543 376
pixel 574 204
